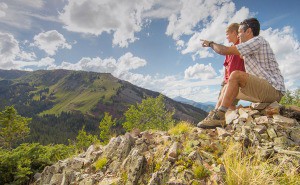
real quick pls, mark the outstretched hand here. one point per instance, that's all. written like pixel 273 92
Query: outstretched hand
pixel 205 43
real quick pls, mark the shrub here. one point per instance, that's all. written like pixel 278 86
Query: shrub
pixel 84 140
pixel 18 165
pixel 100 163
pixel 149 114
pixel 200 172
pixel 291 98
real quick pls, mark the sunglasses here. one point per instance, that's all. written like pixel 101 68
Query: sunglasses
pixel 247 24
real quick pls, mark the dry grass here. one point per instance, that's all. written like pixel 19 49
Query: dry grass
pixel 250 170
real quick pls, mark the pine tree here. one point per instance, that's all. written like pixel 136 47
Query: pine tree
pixel 105 127
pixel 13 127
pixel 84 140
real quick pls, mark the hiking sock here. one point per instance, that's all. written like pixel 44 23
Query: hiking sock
pixel 223 109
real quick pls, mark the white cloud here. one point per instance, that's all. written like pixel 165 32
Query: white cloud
pixel 13 57
pixel 26 56
pixel 95 17
pixel 214 29
pixel 124 64
pixel 51 41
pixel 162 9
pixel 3 8
pixel 44 63
pixel 200 71
pixel 16 13
pixel 128 62
pixel 287 52
pixel 194 12
pixel 9 49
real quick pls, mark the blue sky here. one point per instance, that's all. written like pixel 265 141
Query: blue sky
pixel 154 44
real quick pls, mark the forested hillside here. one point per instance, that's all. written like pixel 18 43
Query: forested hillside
pixel 60 102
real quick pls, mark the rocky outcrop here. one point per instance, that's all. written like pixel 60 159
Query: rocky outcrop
pixel 157 158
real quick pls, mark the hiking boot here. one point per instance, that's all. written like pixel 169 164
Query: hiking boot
pixel 217 119
pixel 210 114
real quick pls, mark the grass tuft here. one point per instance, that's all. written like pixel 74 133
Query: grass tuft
pixel 180 128
pixel 246 169
pixel 100 163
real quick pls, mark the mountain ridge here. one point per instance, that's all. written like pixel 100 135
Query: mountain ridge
pixel 204 106
pixel 45 94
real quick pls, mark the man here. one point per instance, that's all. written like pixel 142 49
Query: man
pixel 231 63
pixel 262 81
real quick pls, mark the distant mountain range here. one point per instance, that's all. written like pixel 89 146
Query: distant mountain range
pixel 60 102
pixel 207 106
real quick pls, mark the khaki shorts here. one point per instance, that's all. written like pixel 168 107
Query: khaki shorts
pixel 259 90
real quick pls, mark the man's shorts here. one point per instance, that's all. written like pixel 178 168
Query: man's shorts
pixel 259 90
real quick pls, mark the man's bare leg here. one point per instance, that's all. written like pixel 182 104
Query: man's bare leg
pixel 236 80
pixel 221 97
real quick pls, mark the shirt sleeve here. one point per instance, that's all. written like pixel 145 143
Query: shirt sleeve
pixel 249 47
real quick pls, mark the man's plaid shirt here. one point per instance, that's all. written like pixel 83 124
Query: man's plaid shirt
pixel 260 61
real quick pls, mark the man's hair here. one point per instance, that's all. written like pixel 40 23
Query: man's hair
pixel 233 27
pixel 253 24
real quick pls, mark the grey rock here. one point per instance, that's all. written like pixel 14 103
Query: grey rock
pixel 261 120
pixel 271 132
pixel 259 106
pixel 230 116
pixel 222 132
pixel 295 135
pixel 56 179
pixel 288 122
pixel 260 129
pixel 265 153
pixel 173 151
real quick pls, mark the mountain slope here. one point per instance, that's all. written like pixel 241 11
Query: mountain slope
pixel 204 106
pixel 62 99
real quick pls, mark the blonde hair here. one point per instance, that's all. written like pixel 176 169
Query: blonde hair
pixel 233 27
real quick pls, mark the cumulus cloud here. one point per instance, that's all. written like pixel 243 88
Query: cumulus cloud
pixel 200 71
pixel 125 63
pixel 27 56
pixel 215 21
pixel 95 17
pixel 9 49
pixel 13 57
pixel 50 41
pixel 287 51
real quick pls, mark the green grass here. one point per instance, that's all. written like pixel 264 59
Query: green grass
pixel 82 99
